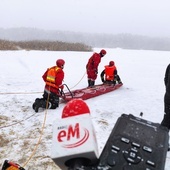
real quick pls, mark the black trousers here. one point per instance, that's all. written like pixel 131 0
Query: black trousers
pixel 117 79
pixel 53 99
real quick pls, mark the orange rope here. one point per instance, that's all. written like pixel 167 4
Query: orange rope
pixel 1 127
pixel 42 130
pixel 20 93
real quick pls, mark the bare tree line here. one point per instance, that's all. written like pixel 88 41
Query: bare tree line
pixel 43 45
pixel 125 41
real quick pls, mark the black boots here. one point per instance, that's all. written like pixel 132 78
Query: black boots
pixel 42 103
pixel 119 82
pixel 91 83
pixel 52 98
pixel 118 79
pixel 39 103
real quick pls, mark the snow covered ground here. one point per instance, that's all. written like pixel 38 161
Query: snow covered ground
pixel 142 73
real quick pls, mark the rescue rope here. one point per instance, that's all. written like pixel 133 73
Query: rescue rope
pixel 79 81
pixel 20 93
pixel 1 127
pixel 42 130
pixel 38 92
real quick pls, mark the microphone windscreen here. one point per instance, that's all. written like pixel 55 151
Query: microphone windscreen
pixel 74 108
pixel 74 136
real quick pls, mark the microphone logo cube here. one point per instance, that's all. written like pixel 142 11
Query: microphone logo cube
pixel 73 137
pixel 73 134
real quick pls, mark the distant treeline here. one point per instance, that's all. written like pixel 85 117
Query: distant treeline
pixel 125 41
pixel 43 45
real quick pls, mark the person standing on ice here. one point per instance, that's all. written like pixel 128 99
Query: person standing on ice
pixel 53 78
pixel 166 120
pixel 109 74
pixel 92 67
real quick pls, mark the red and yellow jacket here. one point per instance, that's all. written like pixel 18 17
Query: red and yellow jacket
pixel 53 78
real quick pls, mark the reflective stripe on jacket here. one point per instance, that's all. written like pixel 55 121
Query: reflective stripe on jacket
pixel 109 72
pixel 51 76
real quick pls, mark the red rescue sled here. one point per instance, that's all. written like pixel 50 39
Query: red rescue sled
pixel 87 93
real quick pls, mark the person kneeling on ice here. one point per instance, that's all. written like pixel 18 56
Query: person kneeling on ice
pixel 109 74
pixel 53 78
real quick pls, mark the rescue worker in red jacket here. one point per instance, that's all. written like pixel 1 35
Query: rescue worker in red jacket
pixel 109 75
pixel 53 78
pixel 92 67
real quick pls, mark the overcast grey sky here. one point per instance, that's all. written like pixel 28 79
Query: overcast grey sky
pixel 143 17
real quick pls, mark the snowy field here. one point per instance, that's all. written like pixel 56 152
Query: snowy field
pixel 142 73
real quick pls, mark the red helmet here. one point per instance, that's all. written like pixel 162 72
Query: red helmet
pixel 60 63
pixel 111 63
pixel 74 108
pixel 103 52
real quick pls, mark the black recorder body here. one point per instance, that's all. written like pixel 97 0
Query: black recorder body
pixel 135 144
